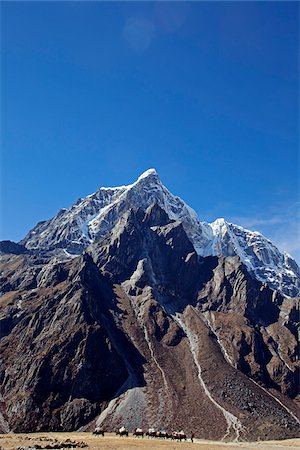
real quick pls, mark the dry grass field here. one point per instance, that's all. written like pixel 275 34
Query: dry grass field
pixel 112 442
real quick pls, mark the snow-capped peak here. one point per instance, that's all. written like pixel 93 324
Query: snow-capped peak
pixel 91 218
pixel 147 173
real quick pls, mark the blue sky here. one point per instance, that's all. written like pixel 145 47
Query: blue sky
pixel 94 93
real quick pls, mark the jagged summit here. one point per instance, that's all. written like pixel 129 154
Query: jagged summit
pixel 147 174
pixel 91 218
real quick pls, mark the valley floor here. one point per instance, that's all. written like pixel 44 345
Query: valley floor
pixel 56 441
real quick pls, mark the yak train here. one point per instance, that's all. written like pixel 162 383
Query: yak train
pixel 151 433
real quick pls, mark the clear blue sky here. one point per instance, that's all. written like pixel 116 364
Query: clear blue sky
pixel 95 93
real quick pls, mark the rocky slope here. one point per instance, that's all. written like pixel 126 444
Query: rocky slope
pixel 140 330
pixel 91 218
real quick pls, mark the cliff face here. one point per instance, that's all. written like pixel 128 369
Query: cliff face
pixel 141 331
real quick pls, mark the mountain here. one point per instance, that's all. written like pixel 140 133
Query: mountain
pixel 91 218
pixel 138 329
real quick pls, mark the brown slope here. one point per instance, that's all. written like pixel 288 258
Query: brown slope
pixel 255 325
pixel 58 363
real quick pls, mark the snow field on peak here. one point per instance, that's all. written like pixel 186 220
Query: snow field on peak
pixel 91 218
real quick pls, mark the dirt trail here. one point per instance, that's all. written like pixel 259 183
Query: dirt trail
pixel 111 442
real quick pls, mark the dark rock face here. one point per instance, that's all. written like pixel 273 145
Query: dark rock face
pixel 141 331
pixel 12 248
pixel 59 365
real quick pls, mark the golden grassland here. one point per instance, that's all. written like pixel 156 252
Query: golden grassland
pixel 112 442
